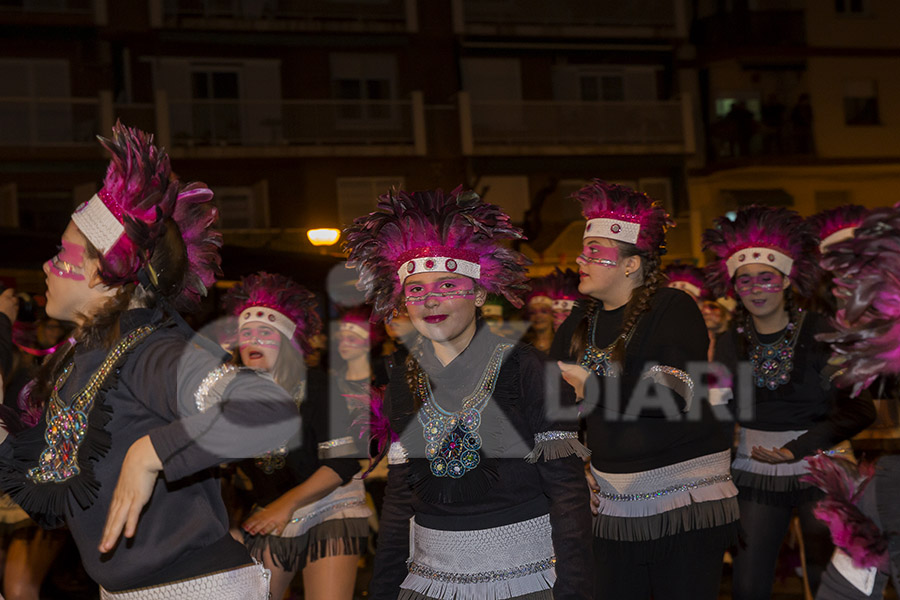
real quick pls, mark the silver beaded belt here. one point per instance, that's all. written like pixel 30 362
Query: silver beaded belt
pixel 448 564
pixel 244 583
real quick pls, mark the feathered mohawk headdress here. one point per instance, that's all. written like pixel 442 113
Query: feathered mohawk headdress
pixel 434 232
pixel 541 291
pixel 623 214
pixel 777 237
pixel 687 277
pixel 357 320
pixel 125 220
pixel 279 302
pixel 837 224
pixel 564 288
pixel 866 272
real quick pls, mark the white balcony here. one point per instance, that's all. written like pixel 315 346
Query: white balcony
pixel 576 128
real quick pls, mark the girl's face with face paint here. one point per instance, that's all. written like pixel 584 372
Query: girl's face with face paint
pixel 599 266
pixel 259 345
pixel 442 306
pixel 74 289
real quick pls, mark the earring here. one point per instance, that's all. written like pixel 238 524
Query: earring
pixel 627 273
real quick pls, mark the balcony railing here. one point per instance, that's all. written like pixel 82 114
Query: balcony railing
pixel 577 15
pixel 579 127
pixel 279 14
pixel 37 122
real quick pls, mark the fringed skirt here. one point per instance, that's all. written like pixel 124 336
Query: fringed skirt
pixel 500 563
pixel 774 484
pixel 644 514
pixel 336 525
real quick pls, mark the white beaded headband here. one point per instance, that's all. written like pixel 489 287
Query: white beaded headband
pixel 98 224
pixel 268 316
pixel 759 256
pixel 614 229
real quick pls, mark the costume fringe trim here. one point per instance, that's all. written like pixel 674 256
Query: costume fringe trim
pixel 696 515
pixel 335 537
pixel 537 585
pixel 565 444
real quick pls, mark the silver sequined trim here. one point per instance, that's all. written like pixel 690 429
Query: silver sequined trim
pixel 483 577
pixel 549 436
pixel 328 509
pixel 214 383
pixel 666 491
pixel 397 454
pixel 677 373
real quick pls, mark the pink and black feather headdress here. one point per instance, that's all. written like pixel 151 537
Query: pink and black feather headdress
pixel 687 277
pixel 564 288
pixel 434 232
pixel 837 224
pixel 126 218
pixel 358 320
pixel 866 275
pixel 541 291
pixel 776 237
pixel 277 301
pixel 620 213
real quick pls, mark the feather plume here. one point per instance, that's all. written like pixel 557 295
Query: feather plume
pixel 405 222
pixel 851 530
pixel 765 227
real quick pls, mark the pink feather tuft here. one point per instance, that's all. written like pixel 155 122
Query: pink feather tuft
pixel 766 227
pixel 678 271
pixel 404 223
pixel 851 530
pixel 376 426
pixel 866 341
pixel 600 199
pixel 831 221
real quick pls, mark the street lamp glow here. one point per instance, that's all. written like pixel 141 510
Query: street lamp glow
pixel 324 236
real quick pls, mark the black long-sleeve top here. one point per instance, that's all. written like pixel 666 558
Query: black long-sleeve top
pixel 504 488
pixel 809 400
pixel 183 529
pixel 626 434
pixel 325 417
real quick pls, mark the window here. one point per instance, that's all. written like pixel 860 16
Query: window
pixel 28 122
pixel 369 82
pixel 593 83
pixel 215 107
pixel 851 7
pixel 358 196
pixel 242 207
pixel 861 102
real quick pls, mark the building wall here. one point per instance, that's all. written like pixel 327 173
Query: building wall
pixel 875 28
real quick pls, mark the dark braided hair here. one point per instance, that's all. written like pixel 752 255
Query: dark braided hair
pixel 638 304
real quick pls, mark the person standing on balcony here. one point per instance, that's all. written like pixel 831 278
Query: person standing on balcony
pixel 764 254
pixel 310 513
pixel 666 507
pixel 485 497
pixel 122 446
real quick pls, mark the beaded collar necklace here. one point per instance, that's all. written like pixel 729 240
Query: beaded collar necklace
pixel 67 425
pixel 773 362
pixel 599 360
pixel 452 441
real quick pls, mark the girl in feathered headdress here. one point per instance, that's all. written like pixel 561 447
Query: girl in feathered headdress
pixel 539 308
pixel 690 279
pixel 468 406
pixel 564 291
pixel 768 257
pixel 636 340
pixel 310 513
pixel 123 440
pixel 831 227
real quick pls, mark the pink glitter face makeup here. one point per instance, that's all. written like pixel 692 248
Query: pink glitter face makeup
pixel 69 262
pixel 442 289
pixel 351 339
pixel 255 334
pixel 600 255
pixel 767 281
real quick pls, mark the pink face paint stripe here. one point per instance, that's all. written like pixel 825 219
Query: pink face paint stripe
pixel 64 270
pixel 72 253
pixel 600 255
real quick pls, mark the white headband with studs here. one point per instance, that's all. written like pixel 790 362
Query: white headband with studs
pixel 614 229
pixel 268 316
pixel 759 256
